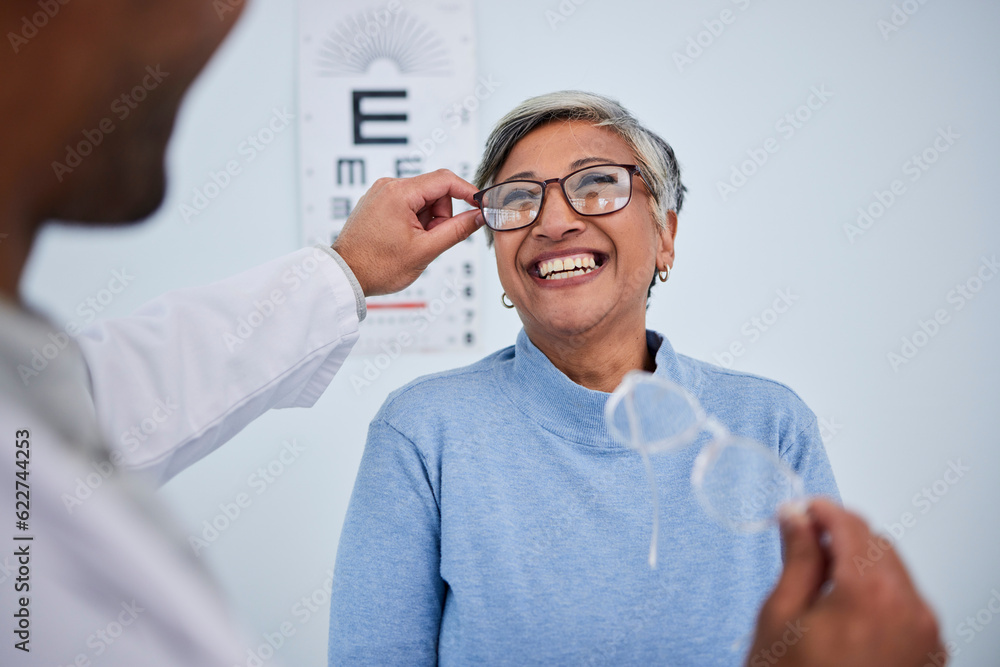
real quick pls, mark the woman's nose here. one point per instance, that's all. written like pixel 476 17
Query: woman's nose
pixel 556 218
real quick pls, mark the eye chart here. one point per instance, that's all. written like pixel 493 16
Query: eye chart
pixel 388 88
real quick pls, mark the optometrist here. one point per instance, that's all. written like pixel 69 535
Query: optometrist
pixel 91 571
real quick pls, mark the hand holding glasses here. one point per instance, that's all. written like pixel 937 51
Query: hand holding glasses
pixel 739 482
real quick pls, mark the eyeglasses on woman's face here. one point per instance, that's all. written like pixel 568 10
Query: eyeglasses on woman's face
pixel 595 190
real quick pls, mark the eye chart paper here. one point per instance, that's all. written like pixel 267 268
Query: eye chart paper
pixel 389 88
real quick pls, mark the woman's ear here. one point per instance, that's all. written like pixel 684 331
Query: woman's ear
pixel 665 242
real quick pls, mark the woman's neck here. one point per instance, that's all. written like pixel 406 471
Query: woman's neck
pixel 596 360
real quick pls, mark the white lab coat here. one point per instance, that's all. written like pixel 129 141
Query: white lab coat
pixel 109 580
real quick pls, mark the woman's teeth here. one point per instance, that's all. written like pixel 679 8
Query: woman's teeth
pixel 567 274
pixel 558 269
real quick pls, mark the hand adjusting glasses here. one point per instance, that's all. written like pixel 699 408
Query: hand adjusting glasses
pixel 739 482
pixel 595 190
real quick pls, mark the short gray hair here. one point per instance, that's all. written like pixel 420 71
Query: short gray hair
pixel 654 156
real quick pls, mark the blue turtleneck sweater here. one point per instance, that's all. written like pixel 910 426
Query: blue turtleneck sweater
pixel 495 520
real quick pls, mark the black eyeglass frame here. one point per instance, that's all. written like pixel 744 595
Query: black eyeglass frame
pixel 632 170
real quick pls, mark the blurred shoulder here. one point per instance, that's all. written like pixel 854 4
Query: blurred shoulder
pixel 725 390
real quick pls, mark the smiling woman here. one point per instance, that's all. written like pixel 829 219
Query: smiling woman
pixel 591 324
pixel 517 533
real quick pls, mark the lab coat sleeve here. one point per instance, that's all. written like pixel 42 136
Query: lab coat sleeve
pixel 388 593
pixel 190 369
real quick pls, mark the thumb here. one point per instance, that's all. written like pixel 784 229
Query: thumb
pixel 804 569
pixel 444 234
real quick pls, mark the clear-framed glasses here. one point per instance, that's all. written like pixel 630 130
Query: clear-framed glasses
pixel 739 482
pixel 596 190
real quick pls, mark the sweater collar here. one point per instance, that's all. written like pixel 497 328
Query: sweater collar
pixel 547 396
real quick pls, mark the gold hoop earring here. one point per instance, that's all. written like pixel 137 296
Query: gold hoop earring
pixel 664 275
pixel 503 299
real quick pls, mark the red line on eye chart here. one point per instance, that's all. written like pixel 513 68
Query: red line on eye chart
pixel 401 304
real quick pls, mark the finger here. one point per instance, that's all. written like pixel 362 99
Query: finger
pixel 426 189
pixel 440 209
pixel 850 537
pixel 425 217
pixel 804 568
pixel 444 233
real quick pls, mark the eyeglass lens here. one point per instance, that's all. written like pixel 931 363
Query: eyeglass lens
pixel 592 191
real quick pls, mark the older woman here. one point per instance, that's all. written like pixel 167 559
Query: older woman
pixel 494 519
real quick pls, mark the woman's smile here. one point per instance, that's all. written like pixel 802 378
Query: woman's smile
pixel 562 268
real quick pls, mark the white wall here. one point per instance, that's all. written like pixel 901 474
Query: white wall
pixel 896 430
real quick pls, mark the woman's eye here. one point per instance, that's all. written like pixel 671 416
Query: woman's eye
pixel 517 197
pixel 596 179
